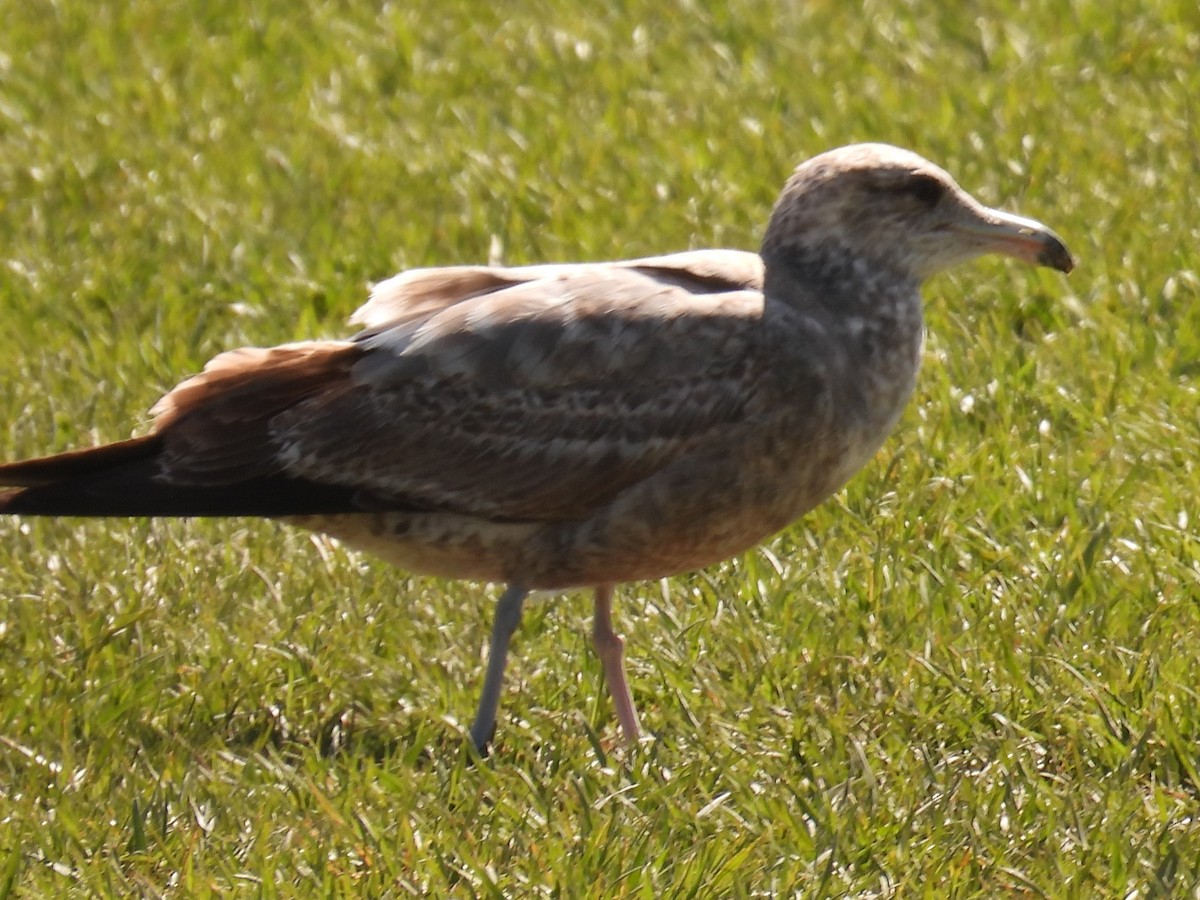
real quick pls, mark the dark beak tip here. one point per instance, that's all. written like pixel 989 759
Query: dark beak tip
pixel 1056 256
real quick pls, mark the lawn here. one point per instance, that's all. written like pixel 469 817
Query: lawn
pixel 973 673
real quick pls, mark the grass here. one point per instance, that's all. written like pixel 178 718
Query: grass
pixel 971 674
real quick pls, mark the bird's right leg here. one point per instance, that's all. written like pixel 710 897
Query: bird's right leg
pixel 610 647
pixel 508 617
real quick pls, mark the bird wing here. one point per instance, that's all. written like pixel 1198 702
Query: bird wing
pixel 539 395
pixel 407 300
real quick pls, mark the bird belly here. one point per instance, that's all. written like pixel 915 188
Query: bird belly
pixel 442 544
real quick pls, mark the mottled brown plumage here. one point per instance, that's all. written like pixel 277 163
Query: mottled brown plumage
pixel 574 425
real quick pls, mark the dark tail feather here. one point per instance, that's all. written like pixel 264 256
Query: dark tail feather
pixel 125 479
pixel 77 463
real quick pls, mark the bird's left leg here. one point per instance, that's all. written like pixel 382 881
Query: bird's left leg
pixel 508 617
pixel 611 650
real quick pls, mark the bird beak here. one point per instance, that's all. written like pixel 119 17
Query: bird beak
pixel 1021 238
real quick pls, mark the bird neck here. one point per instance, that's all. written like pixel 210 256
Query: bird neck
pixel 859 323
pixel 842 286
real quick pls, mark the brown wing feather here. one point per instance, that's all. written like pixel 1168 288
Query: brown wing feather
pixel 541 399
pixel 509 454
pixel 409 299
pixel 217 426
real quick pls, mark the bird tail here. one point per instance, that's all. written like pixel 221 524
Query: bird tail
pixel 127 479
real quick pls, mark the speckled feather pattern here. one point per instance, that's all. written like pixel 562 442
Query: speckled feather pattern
pixel 561 425
pixel 634 465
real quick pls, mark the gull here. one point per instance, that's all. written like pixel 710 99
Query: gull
pixel 573 425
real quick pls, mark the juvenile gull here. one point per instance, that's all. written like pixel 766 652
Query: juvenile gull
pixel 563 426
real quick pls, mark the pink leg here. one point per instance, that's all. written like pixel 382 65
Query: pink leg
pixel 611 650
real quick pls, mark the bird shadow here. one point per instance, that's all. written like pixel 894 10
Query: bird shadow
pixel 353 731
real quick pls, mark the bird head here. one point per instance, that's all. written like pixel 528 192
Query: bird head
pixel 896 212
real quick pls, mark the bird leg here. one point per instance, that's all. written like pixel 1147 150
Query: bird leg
pixel 508 617
pixel 611 650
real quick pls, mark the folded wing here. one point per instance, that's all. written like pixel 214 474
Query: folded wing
pixel 539 400
pixel 511 394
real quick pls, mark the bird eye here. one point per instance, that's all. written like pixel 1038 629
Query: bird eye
pixel 925 188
